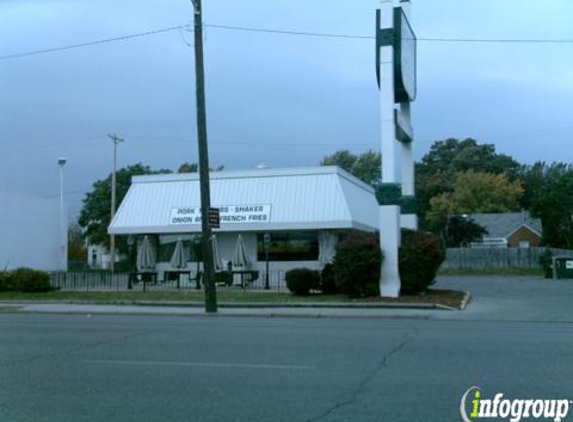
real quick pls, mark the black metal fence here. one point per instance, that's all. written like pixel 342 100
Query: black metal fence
pixel 120 282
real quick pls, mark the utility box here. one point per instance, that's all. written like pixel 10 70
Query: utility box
pixel 562 267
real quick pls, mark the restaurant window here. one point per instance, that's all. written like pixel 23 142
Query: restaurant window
pixel 296 246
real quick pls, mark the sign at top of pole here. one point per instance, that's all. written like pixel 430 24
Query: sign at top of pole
pixel 401 36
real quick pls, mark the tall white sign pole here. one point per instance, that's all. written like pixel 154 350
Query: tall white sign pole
pixel 389 193
pixel 409 218
pixel 63 229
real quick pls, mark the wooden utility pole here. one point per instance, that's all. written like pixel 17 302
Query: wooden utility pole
pixel 208 269
pixel 116 140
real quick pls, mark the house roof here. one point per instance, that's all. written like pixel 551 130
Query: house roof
pixel 291 199
pixel 505 224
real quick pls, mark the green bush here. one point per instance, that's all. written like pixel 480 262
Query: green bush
pixel 301 281
pixel 420 258
pixel 357 265
pixel 327 280
pixel 6 283
pixel 29 280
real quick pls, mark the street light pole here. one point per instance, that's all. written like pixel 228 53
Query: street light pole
pixel 116 140
pixel 208 269
pixel 267 242
pixel 63 238
pixel 130 242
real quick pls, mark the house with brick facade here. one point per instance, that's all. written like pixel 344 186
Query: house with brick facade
pixel 511 229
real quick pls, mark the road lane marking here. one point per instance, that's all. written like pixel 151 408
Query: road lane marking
pixel 198 364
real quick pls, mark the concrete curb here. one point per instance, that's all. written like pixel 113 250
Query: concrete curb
pixel 465 301
pixel 246 305
pixel 304 305
pixel 228 314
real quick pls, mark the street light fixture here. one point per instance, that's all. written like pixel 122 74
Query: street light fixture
pixel 267 242
pixel 63 238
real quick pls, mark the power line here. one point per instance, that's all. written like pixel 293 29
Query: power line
pixel 90 142
pixel 371 37
pixel 282 32
pixel 288 32
pixel 96 141
pixel 270 144
pixel 92 43
pixel 500 40
pixel 71 192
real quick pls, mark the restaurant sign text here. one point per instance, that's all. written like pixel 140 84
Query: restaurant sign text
pixel 233 214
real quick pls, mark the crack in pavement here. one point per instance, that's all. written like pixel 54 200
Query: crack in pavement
pixel 362 386
pixel 56 355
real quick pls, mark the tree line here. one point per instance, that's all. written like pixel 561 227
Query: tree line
pixel 95 215
pixel 455 177
pixel 459 177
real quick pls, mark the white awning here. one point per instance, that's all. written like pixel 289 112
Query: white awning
pixel 253 200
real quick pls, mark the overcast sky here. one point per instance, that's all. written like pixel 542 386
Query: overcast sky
pixel 281 99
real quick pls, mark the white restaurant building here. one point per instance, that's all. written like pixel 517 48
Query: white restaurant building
pixel 304 210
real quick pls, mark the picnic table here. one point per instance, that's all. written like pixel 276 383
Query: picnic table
pixel 246 277
pixel 227 278
pixel 172 275
pixel 143 276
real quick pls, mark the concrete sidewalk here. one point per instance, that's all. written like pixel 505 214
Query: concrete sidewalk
pixel 494 298
pixel 312 311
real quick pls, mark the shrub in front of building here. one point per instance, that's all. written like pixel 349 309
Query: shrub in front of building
pixel 29 280
pixel 420 258
pixel 301 281
pixel 357 265
pixel 328 281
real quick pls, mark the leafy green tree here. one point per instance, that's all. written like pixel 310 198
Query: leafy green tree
pixel 439 168
pixel 194 168
pixel 95 213
pixel 188 168
pixel 534 179
pixel 366 166
pixel 77 251
pixel 475 192
pixel 549 192
pixel 462 230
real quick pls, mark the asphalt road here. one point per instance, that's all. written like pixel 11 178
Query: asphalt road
pixel 498 298
pixel 169 368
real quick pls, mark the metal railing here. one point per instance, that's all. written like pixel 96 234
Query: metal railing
pixel 105 281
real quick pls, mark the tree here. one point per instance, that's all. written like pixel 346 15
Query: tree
pixel 439 168
pixel 549 192
pixel 534 179
pixel 366 166
pixel 475 192
pixel 95 213
pixel 77 251
pixel 462 230
pixel 188 168
pixel 194 168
